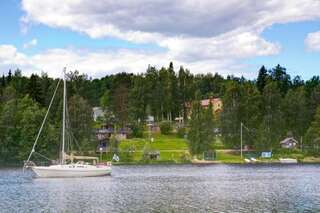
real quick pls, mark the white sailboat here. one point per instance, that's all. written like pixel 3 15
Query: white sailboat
pixel 67 167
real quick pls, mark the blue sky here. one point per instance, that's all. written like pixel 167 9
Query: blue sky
pixel 109 37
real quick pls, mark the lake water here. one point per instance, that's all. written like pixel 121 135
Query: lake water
pixel 163 188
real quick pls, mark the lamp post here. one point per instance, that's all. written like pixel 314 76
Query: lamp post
pixel 241 140
pixel 100 149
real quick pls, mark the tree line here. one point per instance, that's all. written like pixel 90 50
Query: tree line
pixel 272 106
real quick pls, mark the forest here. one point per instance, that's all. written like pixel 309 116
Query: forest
pixel 272 106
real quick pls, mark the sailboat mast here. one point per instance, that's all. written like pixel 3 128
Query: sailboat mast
pixel 64 117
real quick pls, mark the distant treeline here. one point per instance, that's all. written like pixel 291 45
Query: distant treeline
pixel 271 107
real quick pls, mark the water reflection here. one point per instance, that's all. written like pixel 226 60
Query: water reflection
pixel 187 188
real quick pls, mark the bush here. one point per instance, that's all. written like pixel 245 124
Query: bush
pixel 137 131
pixel 185 157
pixel 165 127
pixel 181 132
pixel 127 153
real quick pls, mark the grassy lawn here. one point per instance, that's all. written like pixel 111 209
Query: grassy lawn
pixel 171 147
pixel 228 157
pixel 161 142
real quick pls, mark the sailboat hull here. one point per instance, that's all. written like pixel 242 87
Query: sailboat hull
pixel 60 171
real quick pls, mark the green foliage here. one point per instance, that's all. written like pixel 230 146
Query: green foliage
pixel 231 115
pixel 270 107
pixel 80 115
pixel 105 100
pixel 262 79
pixel 313 133
pixel 138 100
pixel 181 132
pixel 165 127
pixel 137 130
pixel 241 103
pixel 127 152
pixel 271 129
pixel 19 123
pixel 296 112
pixel 201 129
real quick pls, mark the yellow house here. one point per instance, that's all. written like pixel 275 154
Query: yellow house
pixel 216 105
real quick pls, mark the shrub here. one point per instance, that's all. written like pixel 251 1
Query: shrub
pixel 137 131
pixel 185 157
pixel 165 127
pixel 181 132
pixel 127 152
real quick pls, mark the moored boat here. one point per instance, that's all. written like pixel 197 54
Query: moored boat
pixel 67 166
pixel 71 170
pixel 288 160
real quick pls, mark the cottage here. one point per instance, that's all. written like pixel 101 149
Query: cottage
pixel 289 143
pixel 215 102
pixel 104 134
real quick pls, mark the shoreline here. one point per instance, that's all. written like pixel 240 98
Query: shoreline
pixel 309 160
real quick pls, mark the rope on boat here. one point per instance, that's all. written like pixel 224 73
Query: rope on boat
pixel 43 122
pixel 41 155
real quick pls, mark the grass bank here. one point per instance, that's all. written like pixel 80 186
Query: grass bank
pixel 172 150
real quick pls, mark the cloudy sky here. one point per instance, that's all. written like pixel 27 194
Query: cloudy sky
pixel 109 36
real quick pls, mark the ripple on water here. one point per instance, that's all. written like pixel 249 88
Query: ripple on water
pixel 176 188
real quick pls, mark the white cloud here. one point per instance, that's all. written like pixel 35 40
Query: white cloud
pixel 100 63
pixel 10 56
pixel 30 44
pixel 208 35
pixel 312 41
pixel 205 18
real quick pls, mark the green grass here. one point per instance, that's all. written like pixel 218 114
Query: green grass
pixel 171 147
pixel 228 157
pixel 218 144
pixel 161 142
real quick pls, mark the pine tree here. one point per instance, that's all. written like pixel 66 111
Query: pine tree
pixel 280 76
pixel 262 78
pixel 9 77
pixel 3 81
pixel 34 89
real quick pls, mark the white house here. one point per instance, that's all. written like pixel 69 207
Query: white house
pixel 97 112
pixel 289 143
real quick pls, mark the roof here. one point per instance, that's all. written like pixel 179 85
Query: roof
pixel 206 102
pixel 288 140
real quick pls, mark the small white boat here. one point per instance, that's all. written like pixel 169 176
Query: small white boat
pixel 66 166
pixel 288 160
pixel 253 160
pixel 247 160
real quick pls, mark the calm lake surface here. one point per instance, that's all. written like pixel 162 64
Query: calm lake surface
pixel 163 188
